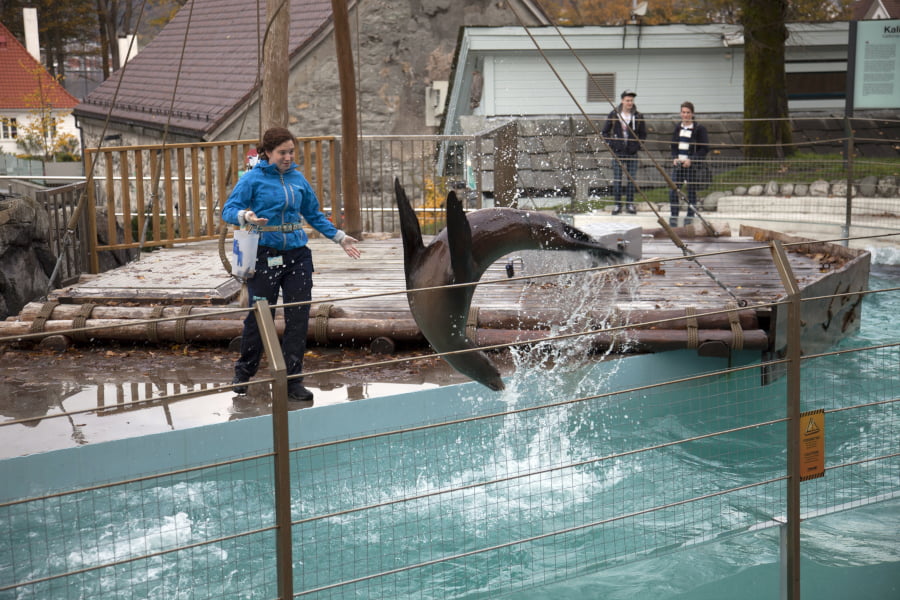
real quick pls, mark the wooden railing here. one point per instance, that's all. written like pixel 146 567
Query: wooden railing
pixel 67 245
pixel 159 195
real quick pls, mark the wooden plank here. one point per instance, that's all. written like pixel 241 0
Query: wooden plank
pixel 375 284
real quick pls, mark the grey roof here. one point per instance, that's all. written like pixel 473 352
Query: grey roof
pixel 217 72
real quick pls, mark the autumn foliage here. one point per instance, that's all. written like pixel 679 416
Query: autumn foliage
pixel 660 12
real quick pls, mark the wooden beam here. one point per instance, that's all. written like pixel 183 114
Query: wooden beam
pixel 276 50
pixel 349 131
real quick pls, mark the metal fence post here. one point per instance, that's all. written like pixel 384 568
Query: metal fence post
pixel 790 534
pixel 281 448
pixel 848 211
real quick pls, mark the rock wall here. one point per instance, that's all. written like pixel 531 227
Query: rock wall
pixel 400 48
pixel 26 257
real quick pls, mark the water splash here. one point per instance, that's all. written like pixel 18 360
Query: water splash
pixel 556 362
pixel 885 255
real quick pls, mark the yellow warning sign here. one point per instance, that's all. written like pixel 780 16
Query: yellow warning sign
pixel 812 444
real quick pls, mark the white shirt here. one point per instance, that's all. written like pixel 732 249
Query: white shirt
pixel 684 140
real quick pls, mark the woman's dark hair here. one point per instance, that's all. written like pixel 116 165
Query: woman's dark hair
pixel 271 139
pixel 689 105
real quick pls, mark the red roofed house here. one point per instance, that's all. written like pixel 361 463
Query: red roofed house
pixel 199 79
pixel 27 86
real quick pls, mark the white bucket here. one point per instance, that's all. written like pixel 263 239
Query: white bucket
pixel 243 253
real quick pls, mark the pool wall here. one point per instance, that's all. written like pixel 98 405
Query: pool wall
pixel 120 460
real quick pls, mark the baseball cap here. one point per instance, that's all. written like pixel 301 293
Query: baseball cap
pixel 628 93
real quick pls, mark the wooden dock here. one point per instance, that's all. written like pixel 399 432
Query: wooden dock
pixel 357 301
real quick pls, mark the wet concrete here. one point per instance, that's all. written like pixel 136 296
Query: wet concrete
pixel 54 400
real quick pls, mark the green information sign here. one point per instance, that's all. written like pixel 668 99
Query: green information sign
pixel 876 80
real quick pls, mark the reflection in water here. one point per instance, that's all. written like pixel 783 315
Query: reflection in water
pixel 101 406
pixel 139 402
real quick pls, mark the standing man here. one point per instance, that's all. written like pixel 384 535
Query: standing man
pixel 690 143
pixel 623 131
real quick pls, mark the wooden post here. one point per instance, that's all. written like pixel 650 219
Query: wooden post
pixel 349 130
pixel 281 447
pixel 273 111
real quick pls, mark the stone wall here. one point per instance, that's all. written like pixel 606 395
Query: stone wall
pixel 403 47
pixel 565 153
pixel 26 258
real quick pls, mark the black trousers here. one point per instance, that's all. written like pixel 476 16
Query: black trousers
pixel 630 164
pixel 687 177
pixel 293 278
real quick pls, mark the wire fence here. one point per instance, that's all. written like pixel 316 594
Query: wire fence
pixel 566 480
pixel 836 171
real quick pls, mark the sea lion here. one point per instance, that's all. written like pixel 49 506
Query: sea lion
pixel 461 253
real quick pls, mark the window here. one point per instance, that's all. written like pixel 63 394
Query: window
pixel 816 85
pixel 601 87
pixel 8 128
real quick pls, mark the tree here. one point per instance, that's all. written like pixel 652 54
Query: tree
pixel 617 12
pixel 60 24
pixel 766 127
pixel 115 18
pixel 41 135
pixel 95 24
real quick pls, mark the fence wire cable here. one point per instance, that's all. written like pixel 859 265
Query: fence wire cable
pixel 72 224
pixel 543 536
pixel 666 226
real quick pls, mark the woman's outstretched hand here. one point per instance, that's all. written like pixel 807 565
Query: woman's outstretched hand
pixel 349 246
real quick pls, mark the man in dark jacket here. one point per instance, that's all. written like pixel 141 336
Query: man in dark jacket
pixel 622 132
pixel 690 143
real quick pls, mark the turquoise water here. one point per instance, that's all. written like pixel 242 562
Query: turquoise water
pixel 426 501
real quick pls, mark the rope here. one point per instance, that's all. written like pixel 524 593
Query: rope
pixel 79 322
pixel 737 332
pixel 72 224
pixel 223 233
pixel 180 324
pixel 152 330
pixel 671 184
pixel 154 192
pixel 40 320
pixel 320 330
pixel 692 327
pixel 472 322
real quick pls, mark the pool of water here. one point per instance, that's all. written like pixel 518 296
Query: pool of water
pixel 548 515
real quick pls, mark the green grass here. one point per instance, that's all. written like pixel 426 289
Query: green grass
pixel 806 168
pixel 799 168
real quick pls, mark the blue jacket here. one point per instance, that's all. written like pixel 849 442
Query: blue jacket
pixel 281 198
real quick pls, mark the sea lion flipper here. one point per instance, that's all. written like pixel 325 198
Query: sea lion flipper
pixel 409 228
pixel 459 238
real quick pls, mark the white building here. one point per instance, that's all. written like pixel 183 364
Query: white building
pixel 503 72
pixel 26 89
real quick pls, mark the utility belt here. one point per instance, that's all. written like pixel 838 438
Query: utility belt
pixel 285 228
